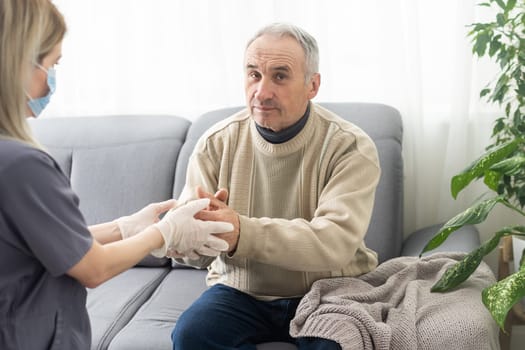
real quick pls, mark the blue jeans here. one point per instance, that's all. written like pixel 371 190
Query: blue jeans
pixel 225 318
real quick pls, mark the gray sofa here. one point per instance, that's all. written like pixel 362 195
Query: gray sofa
pixel 118 164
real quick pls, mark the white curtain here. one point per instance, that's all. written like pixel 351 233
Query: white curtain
pixel 184 57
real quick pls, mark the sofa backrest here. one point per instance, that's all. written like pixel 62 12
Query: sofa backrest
pixel 384 125
pixel 116 164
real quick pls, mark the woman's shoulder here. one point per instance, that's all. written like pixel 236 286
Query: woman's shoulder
pixel 15 154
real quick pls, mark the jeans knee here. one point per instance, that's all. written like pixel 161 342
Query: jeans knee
pixel 185 335
pixel 187 332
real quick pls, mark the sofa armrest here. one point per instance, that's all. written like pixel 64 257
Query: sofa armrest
pixel 464 239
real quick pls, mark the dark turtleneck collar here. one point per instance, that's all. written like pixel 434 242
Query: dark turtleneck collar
pixel 285 134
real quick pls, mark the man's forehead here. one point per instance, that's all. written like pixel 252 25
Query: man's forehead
pixel 273 57
pixel 258 57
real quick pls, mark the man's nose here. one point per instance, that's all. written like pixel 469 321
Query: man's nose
pixel 263 90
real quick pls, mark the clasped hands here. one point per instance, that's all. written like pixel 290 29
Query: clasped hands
pixel 189 230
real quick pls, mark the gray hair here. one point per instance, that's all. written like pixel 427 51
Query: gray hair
pixel 307 42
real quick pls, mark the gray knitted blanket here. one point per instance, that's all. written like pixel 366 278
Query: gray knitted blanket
pixel 392 308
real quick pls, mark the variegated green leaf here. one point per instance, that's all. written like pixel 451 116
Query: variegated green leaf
pixel 460 271
pixel 491 179
pixel 473 215
pixel 501 296
pixel 477 168
pixel 510 166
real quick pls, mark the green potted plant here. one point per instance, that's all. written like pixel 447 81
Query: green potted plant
pixel 502 166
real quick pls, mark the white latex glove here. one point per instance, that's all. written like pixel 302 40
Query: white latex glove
pixel 132 224
pixel 183 233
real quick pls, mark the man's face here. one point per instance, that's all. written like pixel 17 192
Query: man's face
pixel 275 87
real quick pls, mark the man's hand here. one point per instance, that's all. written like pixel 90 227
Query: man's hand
pixel 182 232
pixel 218 210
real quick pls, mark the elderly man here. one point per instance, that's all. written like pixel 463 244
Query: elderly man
pixel 298 184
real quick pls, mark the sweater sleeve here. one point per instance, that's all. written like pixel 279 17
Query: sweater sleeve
pixel 333 238
pixel 200 172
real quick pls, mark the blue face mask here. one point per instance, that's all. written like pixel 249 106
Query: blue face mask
pixel 37 105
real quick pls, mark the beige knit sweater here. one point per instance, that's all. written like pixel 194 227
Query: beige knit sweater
pixel 304 205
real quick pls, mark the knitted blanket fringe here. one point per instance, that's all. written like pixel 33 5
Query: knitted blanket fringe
pixel 392 308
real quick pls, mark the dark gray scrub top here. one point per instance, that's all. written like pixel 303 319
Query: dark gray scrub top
pixel 42 235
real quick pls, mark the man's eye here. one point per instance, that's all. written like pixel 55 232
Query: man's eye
pixel 253 75
pixel 280 76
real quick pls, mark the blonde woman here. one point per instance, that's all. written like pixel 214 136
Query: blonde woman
pixel 47 253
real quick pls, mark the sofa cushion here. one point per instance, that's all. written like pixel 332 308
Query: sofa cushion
pixel 113 304
pixel 117 156
pixel 151 327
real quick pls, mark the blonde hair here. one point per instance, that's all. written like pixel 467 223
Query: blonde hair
pixel 29 30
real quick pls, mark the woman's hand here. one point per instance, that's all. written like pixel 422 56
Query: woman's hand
pixel 132 224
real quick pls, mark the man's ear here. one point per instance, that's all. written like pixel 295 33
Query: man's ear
pixel 315 82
